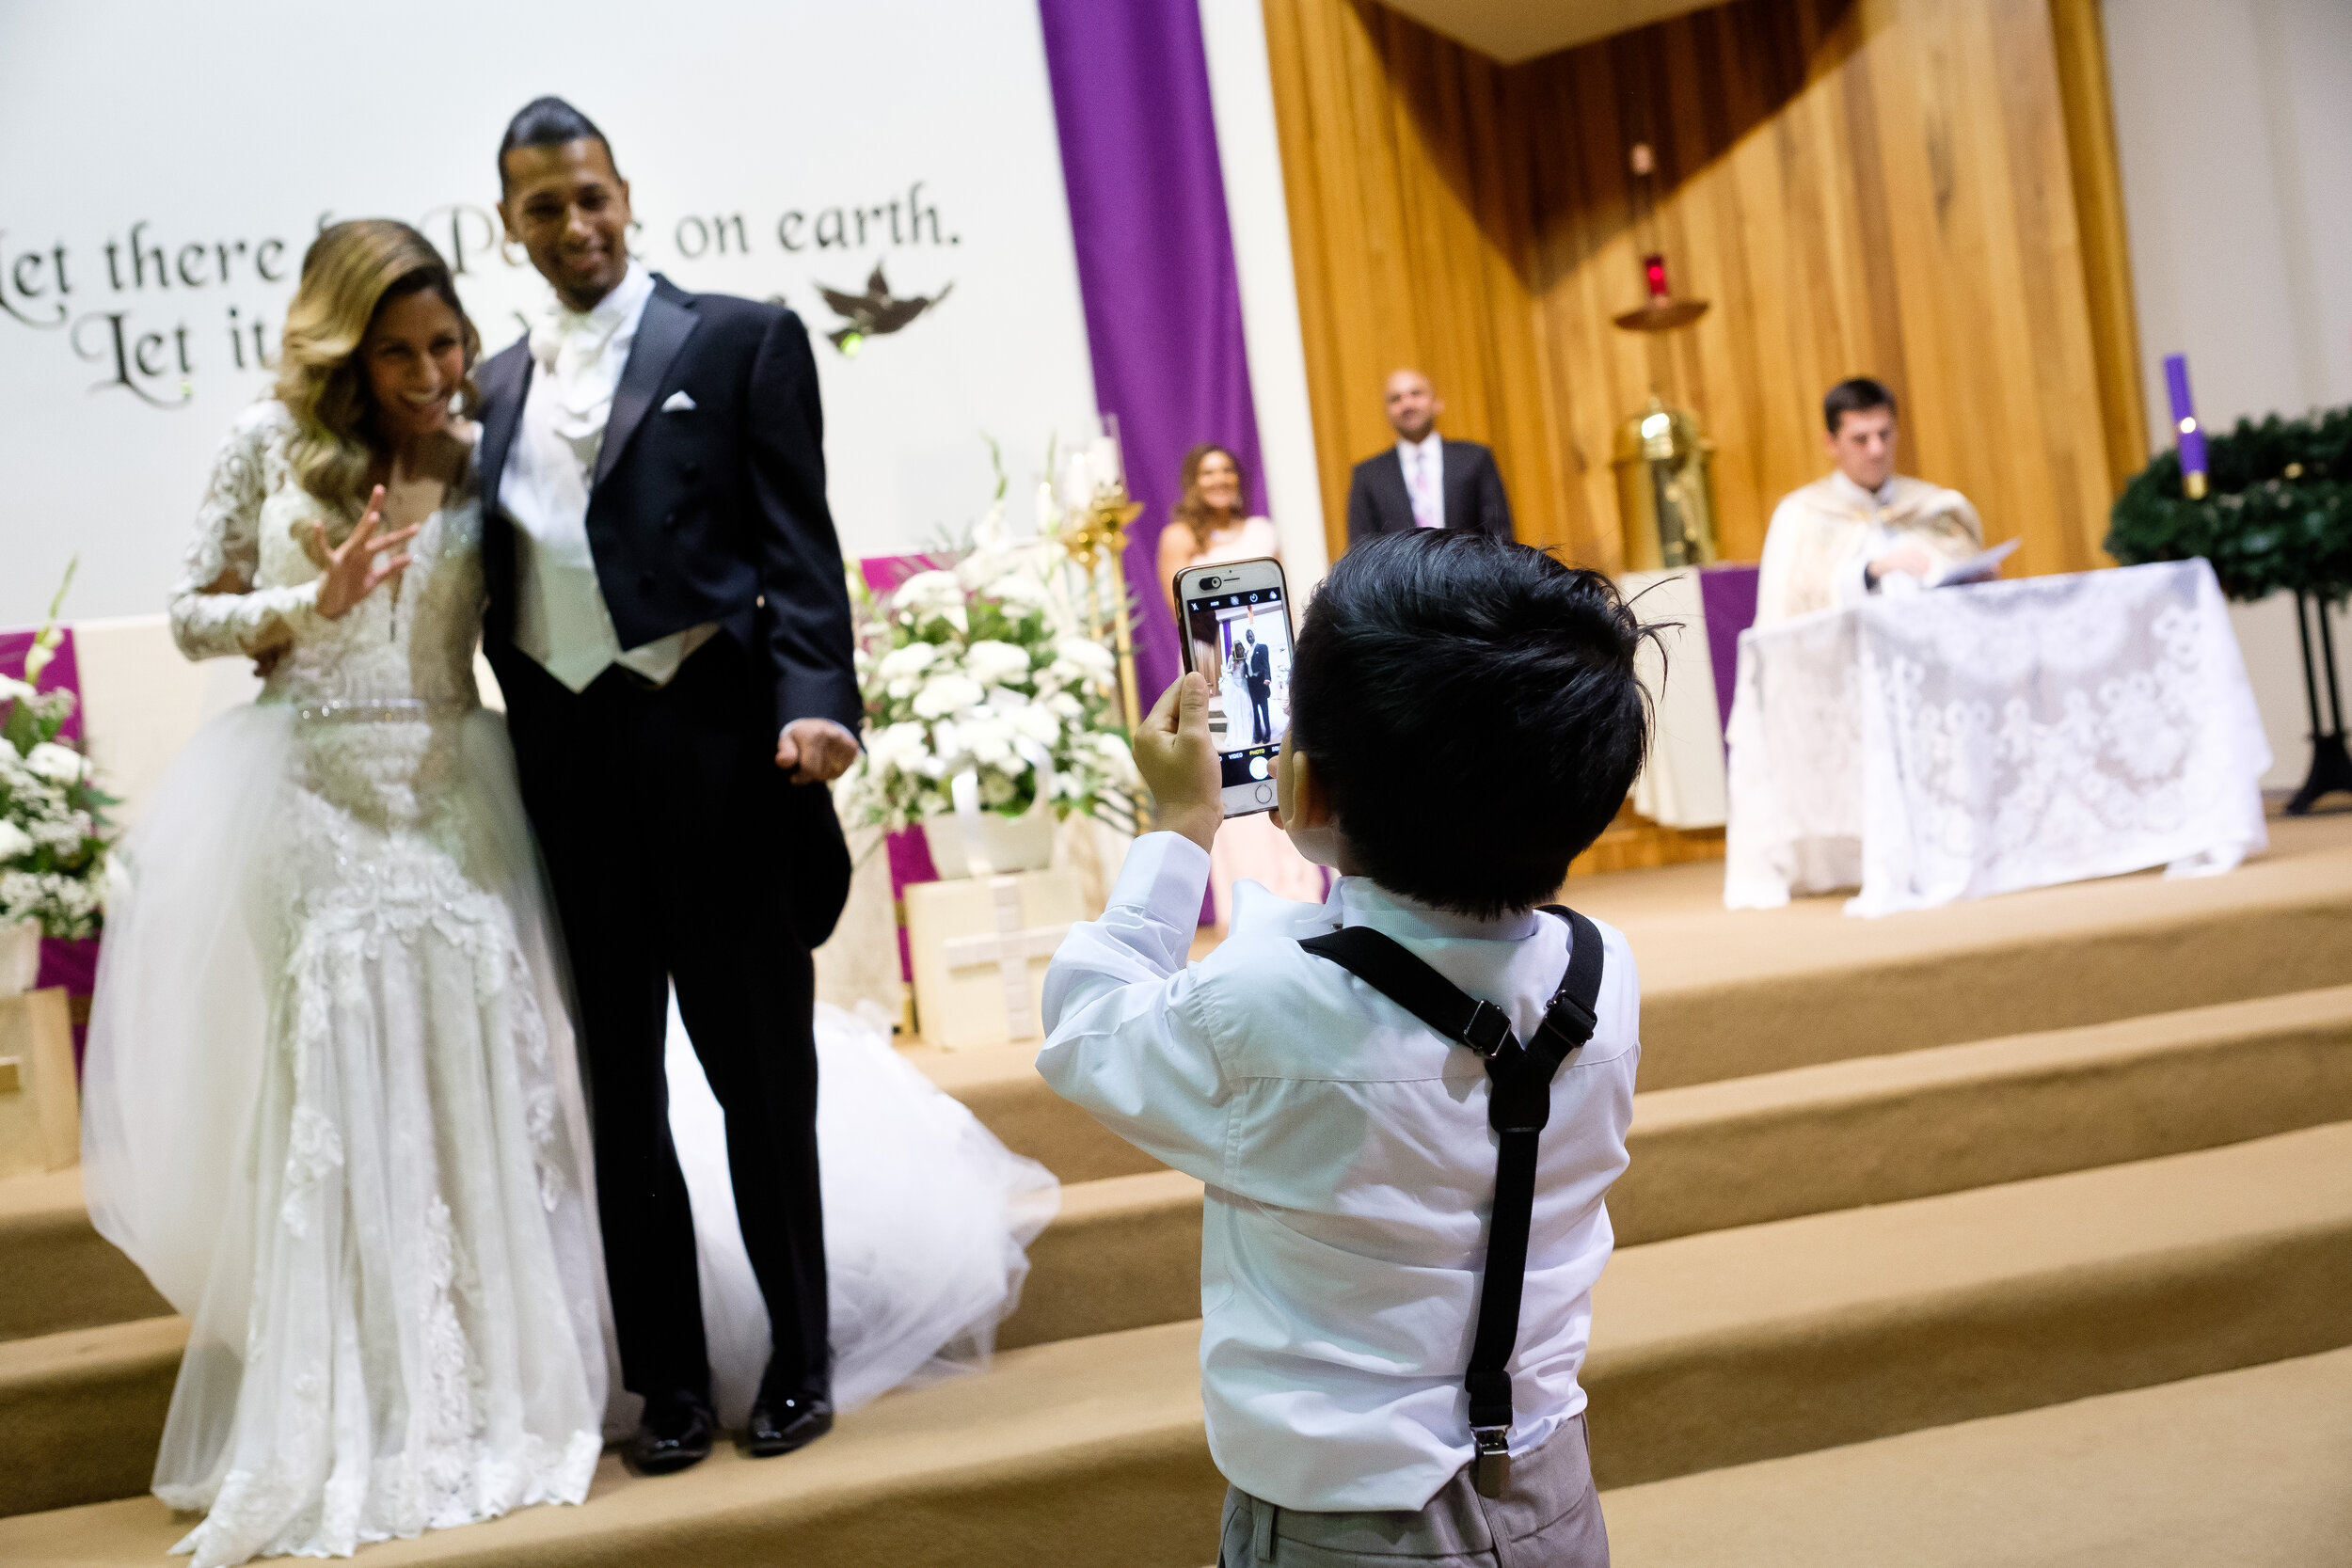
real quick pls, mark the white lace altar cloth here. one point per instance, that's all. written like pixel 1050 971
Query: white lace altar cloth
pixel 1975 740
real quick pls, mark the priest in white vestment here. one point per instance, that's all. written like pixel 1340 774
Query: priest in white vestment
pixel 1841 539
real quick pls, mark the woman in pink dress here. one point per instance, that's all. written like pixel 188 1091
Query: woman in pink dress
pixel 1209 526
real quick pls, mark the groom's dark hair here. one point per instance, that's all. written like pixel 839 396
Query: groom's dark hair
pixel 549 122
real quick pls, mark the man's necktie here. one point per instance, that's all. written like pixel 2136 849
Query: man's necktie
pixel 1428 500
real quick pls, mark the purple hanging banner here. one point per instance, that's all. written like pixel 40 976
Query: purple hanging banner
pixel 1155 265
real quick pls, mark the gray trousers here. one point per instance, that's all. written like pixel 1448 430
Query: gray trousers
pixel 1549 1516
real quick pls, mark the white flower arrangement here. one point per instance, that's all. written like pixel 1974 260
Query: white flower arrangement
pixel 983 666
pixel 53 823
pixel 53 848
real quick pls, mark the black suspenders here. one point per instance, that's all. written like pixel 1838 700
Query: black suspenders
pixel 1519 1105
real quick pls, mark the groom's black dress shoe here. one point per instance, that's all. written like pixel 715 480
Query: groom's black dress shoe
pixel 780 1425
pixel 675 1432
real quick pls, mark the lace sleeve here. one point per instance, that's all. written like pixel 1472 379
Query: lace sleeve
pixel 217 608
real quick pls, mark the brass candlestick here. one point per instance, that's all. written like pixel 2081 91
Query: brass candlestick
pixel 1093 536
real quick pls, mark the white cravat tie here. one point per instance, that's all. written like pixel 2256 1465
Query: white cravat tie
pixel 570 349
pixel 567 626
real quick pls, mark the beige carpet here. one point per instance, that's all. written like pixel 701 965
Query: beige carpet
pixel 1891 1176
pixel 2241 1469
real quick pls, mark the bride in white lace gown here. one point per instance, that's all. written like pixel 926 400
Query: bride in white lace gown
pixel 331 1106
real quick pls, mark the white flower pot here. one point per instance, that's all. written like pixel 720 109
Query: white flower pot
pixel 20 956
pixel 1024 842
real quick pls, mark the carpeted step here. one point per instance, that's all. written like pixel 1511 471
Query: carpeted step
pixel 1086 1451
pixel 81 1412
pixel 2252 1468
pixel 1737 995
pixel 1728 993
pixel 999 1084
pixel 1123 1252
pixel 1880 1128
pixel 60 1274
pixel 1801 1333
pixel 1804 1333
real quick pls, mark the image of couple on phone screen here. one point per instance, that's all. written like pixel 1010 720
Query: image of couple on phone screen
pixel 1241 643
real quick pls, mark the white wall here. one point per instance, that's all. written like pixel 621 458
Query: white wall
pixel 1241 87
pixel 246 121
pixel 2234 127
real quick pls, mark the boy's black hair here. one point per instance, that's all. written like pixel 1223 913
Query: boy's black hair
pixel 549 122
pixel 1852 396
pixel 1470 705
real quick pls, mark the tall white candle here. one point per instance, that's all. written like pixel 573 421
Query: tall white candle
pixel 1103 462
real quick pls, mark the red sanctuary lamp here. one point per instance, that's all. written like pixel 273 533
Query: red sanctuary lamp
pixel 1661 311
pixel 1661 455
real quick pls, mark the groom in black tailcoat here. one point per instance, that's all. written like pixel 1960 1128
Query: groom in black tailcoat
pixel 669 624
pixel 1260 677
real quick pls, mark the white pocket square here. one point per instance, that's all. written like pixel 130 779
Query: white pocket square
pixel 678 403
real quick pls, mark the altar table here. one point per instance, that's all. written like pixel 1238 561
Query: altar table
pixel 1965 741
pixel 1687 669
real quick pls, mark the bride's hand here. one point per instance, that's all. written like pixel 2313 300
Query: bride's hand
pixel 353 572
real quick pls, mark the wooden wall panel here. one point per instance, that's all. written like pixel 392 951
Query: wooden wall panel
pixel 2080 38
pixel 1412 248
pixel 1859 186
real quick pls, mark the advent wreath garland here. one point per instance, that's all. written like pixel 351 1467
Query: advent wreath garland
pixel 2277 514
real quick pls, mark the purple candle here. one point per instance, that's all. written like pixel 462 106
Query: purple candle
pixel 2187 434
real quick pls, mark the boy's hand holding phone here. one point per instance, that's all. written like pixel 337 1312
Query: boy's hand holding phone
pixel 1178 762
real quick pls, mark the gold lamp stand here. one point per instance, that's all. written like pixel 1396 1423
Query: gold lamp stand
pixel 1095 535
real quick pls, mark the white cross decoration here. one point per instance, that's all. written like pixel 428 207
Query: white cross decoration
pixel 1009 949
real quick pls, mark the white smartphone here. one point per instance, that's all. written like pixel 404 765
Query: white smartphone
pixel 1235 623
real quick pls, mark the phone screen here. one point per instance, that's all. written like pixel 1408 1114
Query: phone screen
pixel 1242 642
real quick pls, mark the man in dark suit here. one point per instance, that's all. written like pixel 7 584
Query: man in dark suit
pixel 1425 481
pixel 1258 670
pixel 671 630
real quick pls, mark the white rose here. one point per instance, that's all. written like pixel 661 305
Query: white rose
pixel 992 663
pixel 14 690
pixel 912 659
pixel 1018 588
pixel 1039 723
pixel 14 841
pixel 990 741
pixel 60 765
pixel 948 693
pixel 1086 655
pixel 897 747
pixel 929 590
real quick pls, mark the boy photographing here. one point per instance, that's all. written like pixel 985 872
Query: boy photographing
pixel 1407 1101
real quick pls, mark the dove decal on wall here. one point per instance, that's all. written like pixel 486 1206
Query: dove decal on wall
pixel 875 313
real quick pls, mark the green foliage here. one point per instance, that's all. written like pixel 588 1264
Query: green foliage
pixel 2277 514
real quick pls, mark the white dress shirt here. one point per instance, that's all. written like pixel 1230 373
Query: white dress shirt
pixel 560 617
pixel 1349 1166
pixel 1425 478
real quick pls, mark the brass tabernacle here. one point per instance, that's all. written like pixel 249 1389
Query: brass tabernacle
pixel 1665 489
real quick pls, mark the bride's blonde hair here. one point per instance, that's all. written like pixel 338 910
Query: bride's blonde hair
pixel 351 270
